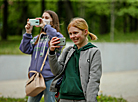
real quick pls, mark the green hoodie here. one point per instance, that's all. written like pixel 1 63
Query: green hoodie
pixel 71 84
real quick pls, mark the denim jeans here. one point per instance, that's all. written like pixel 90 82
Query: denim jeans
pixel 48 96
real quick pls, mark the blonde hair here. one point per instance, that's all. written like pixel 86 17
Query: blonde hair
pixel 81 24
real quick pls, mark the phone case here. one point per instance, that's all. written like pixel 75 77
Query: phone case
pixel 62 42
pixel 34 22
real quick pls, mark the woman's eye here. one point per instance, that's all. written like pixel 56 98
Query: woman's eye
pixel 70 33
pixel 75 32
pixel 46 17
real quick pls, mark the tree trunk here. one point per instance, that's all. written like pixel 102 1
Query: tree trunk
pixel 103 25
pixel 65 13
pixel 5 17
pixel 112 21
pixel 23 8
pixel 70 14
pixel 135 24
pixel 132 24
pixel 125 19
pixel 60 9
pixel 43 5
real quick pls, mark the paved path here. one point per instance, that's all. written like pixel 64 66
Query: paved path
pixel 118 84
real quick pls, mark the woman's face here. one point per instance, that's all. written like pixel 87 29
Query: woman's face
pixel 78 36
pixel 46 16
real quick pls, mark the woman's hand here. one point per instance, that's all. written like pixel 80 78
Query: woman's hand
pixel 42 23
pixel 53 43
pixel 28 27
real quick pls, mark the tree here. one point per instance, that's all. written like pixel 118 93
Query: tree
pixel 112 21
pixel 65 13
pixel 5 17
pixel 104 24
pixel 43 5
pixel 22 7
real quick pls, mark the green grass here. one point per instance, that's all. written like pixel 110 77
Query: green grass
pixel 105 98
pixel 100 98
pixel 11 46
pixel 3 99
pixel 119 38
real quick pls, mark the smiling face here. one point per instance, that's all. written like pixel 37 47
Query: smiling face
pixel 78 36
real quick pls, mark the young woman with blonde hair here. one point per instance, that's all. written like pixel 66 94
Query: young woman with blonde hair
pixel 79 66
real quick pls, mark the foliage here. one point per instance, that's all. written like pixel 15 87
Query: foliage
pixel 3 99
pixel 9 99
pixel 105 98
pixel 96 12
pixel 100 98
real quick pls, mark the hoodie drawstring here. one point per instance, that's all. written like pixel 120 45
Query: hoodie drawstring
pixel 44 46
pixel 37 46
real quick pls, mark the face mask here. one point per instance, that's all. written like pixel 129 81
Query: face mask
pixel 46 21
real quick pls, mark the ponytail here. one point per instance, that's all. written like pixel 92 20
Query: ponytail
pixel 92 36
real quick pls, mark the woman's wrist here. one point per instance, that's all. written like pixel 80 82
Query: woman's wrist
pixel 43 25
pixel 51 52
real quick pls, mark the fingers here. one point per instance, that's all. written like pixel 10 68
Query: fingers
pixel 40 20
pixel 53 43
pixel 28 27
pixel 28 20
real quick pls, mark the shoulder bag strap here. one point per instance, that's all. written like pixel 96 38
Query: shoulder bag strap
pixel 44 61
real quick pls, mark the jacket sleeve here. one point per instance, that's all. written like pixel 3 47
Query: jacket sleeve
pixel 57 64
pixel 52 32
pixel 94 77
pixel 26 46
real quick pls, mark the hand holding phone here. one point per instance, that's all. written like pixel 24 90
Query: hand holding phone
pixel 62 42
pixel 28 27
pixel 56 42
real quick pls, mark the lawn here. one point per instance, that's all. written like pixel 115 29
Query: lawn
pixel 100 98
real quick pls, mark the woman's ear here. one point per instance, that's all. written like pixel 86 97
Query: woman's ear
pixel 86 31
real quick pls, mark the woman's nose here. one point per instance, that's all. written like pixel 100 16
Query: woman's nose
pixel 72 36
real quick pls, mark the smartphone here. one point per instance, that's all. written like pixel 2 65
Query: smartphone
pixel 34 22
pixel 62 42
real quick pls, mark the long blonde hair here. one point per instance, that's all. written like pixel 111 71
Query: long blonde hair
pixel 81 24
